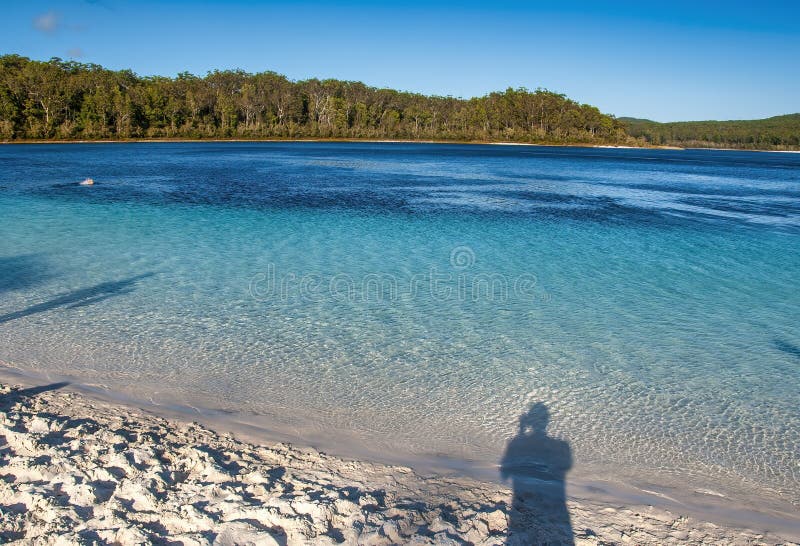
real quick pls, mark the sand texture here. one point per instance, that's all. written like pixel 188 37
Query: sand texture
pixel 75 470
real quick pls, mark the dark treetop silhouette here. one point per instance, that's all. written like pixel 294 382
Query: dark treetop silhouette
pixel 537 465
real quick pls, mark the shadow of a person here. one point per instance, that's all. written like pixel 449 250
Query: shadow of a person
pixel 537 466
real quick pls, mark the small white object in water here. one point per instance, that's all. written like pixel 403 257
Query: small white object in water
pixel 87 182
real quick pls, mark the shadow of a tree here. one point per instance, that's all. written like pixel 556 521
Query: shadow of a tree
pixel 787 348
pixel 24 271
pixel 16 395
pixel 79 298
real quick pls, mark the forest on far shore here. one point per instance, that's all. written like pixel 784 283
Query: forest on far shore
pixel 776 133
pixel 67 100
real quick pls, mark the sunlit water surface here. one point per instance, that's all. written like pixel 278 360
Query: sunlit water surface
pixel 416 299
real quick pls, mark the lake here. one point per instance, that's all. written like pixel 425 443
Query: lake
pixel 411 301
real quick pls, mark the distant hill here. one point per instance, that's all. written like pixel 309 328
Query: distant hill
pixel 779 132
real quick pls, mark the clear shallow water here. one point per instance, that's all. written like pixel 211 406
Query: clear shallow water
pixel 417 299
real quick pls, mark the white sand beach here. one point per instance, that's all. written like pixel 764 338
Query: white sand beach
pixel 76 470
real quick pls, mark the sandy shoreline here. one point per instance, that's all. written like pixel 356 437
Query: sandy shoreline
pixel 343 140
pixel 77 470
pixel 390 141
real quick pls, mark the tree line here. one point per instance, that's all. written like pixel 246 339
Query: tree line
pixel 64 100
pixel 776 133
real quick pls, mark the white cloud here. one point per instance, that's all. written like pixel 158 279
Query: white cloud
pixel 47 22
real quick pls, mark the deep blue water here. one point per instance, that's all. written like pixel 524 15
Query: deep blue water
pixel 417 298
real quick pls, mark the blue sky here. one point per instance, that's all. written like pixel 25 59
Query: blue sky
pixel 678 60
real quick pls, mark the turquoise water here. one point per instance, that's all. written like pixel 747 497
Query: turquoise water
pixel 416 299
